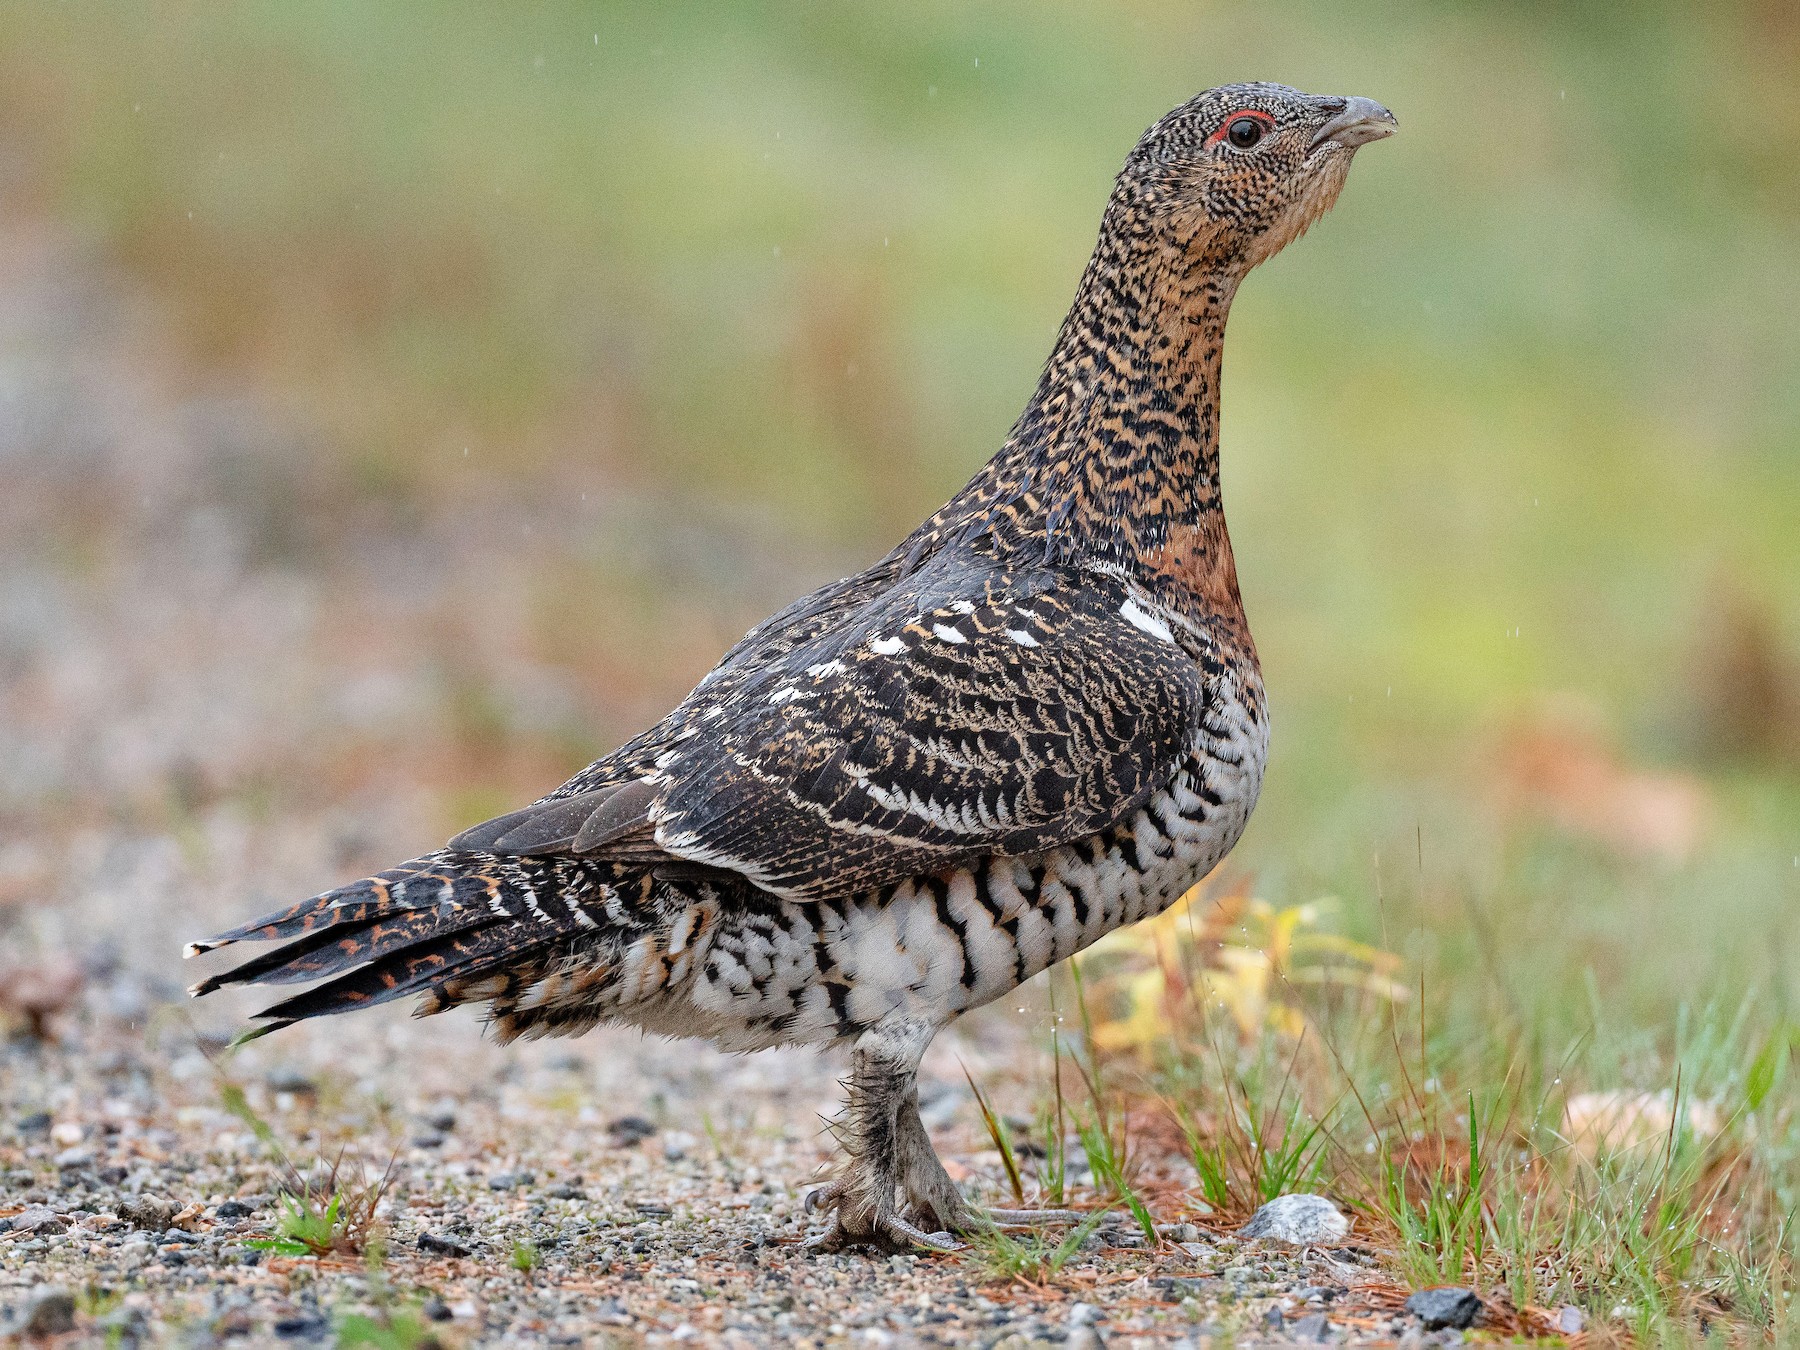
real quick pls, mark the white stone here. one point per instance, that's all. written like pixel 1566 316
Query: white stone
pixel 1083 1314
pixel 1298 1220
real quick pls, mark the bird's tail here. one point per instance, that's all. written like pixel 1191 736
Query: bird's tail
pixel 452 926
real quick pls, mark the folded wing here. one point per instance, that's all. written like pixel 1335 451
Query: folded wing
pixel 977 713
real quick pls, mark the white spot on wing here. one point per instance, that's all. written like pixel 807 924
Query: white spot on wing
pixel 1148 622
pixel 947 633
pixel 825 668
pixel 962 606
pixel 887 646
pixel 1020 636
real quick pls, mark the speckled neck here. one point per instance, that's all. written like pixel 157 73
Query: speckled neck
pixel 1116 456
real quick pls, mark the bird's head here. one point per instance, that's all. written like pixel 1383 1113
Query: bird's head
pixel 1240 171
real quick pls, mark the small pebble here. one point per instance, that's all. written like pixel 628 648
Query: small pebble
pixel 1312 1327
pixel 52 1313
pixel 38 1220
pixel 629 1130
pixel 147 1211
pixel 441 1246
pixel 1445 1306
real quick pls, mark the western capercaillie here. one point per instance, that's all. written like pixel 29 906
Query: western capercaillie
pixel 1038 718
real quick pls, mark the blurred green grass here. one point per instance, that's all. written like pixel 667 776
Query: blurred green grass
pixel 1519 426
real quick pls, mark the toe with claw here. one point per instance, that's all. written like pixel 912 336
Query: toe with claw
pixel 875 1226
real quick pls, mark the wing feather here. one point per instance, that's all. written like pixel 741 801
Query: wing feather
pixel 968 710
pixel 855 763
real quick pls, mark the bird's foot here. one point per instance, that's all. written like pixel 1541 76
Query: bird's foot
pixel 869 1226
pixel 892 1231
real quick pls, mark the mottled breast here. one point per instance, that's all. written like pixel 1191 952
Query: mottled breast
pixel 936 946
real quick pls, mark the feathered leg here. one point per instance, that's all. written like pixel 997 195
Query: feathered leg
pixel 893 1191
pixel 884 1067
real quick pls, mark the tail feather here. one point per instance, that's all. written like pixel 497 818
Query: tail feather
pixel 345 904
pixel 440 879
pixel 333 950
pixel 450 925
pixel 265 969
pixel 455 956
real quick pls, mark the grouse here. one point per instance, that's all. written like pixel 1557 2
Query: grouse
pixel 1037 719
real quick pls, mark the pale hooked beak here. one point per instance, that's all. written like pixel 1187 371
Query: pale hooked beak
pixel 1362 120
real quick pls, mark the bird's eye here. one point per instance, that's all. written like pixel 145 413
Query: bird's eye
pixel 1244 132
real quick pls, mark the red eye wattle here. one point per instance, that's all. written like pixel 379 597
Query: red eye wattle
pixel 1243 129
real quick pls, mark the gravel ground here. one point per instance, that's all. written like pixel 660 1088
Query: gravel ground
pixel 225 684
pixel 657 1191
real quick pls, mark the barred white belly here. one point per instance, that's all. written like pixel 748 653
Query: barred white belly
pixel 936 947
